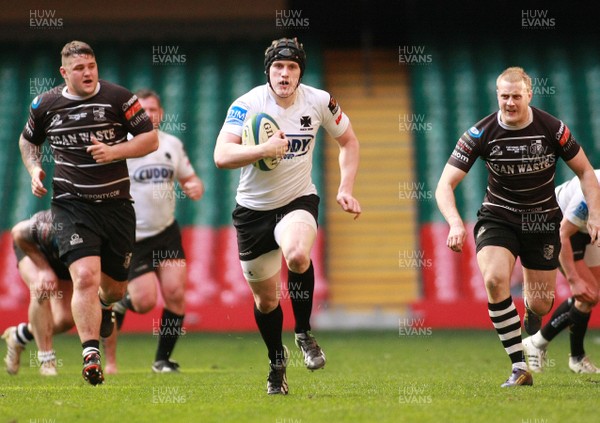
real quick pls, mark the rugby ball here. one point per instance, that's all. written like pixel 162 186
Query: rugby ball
pixel 257 130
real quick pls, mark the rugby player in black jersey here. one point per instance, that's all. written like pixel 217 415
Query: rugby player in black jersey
pixel 520 216
pixel 86 121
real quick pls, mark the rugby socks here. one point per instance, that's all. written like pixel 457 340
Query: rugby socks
pixel 270 326
pixel 119 317
pixel 121 307
pixel 45 356
pixel 103 304
pixel 170 328
pixel 124 304
pixel 22 334
pixel 507 323
pixel 579 324
pixel 301 287
pixel 91 346
pixel 559 320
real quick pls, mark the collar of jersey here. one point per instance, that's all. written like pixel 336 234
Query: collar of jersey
pixel 516 128
pixel 66 94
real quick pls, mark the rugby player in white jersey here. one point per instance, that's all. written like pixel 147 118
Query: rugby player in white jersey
pixel 277 211
pixel 580 263
pixel 158 252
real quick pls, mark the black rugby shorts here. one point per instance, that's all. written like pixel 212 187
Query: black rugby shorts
pixel 538 245
pixel 104 229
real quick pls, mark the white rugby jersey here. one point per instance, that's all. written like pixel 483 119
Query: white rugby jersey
pixel 572 202
pixel 152 185
pixel 267 190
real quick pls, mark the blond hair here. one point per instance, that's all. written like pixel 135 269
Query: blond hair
pixel 515 74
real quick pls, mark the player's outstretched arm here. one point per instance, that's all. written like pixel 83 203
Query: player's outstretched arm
pixel 591 191
pixel 348 160
pixel 32 159
pixel 580 279
pixel 446 202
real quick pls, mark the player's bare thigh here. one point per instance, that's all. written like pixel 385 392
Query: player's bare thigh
pixel 496 265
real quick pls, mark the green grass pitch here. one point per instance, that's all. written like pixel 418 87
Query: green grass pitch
pixel 430 376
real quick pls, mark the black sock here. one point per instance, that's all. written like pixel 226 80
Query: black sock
pixel 120 318
pixel 301 287
pixel 171 326
pixel 579 324
pixel 120 308
pixel 126 302
pixel 560 319
pixel 270 326
pixel 507 323
pixel 23 334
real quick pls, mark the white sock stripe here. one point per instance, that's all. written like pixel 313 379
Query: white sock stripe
pixel 497 313
pixel 44 356
pixel 514 348
pixel 89 350
pixel 512 334
pixel 20 334
pixel 505 323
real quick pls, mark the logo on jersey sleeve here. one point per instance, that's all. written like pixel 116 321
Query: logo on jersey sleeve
pixel 133 110
pixel 236 116
pixel 334 108
pixel 474 132
pixel 460 156
pixel 36 102
pixel 563 134
pixel 582 212
pixel 29 127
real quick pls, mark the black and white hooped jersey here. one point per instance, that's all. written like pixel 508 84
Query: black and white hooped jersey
pixel 68 122
pixel 521 162
pixel 313 108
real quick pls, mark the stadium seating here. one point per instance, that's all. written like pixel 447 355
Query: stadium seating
pixel 371 260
